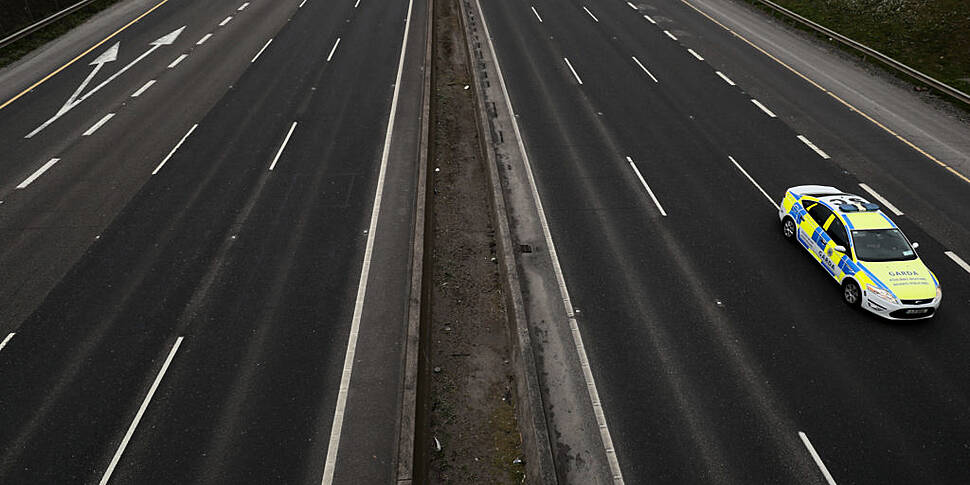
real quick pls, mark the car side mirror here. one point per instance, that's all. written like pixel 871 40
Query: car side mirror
pixel 915 245
pixel 840 248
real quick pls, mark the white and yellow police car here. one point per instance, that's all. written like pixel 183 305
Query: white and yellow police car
pixel 862 250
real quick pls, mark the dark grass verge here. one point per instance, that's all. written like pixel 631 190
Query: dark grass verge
pixel 931 36
pixel 472 431
pixel 22 47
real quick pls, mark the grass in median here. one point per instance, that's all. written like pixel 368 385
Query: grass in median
pixel 24 46
pixel 932 36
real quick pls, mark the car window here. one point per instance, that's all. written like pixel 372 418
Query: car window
pixel 882 245
pixel 820 213
pixel 837 232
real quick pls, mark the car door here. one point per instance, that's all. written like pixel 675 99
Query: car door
pixel 833 260
pixel 819 216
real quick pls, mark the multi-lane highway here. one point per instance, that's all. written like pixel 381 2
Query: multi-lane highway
pixel 205 239
pixel 660 136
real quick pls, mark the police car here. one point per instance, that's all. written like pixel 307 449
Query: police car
pixel 862 250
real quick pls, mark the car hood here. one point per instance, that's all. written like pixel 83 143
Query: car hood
pixel 908 280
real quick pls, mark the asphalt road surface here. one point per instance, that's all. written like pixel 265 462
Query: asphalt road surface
pixel 660 142
pixel 185 214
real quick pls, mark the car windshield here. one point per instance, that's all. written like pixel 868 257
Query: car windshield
pixel 882 245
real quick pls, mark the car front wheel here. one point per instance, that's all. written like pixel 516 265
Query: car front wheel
pixel 851 294
pixel 788 229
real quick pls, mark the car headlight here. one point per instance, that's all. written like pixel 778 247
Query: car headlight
pixel 939 292
pixel 884 294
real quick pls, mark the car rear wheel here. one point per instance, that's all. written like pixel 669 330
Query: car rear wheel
pixel 851 294
pixel 788 229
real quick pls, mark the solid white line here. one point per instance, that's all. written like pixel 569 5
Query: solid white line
pixel 142 89
pixel 356 3
pixel 40 171
pixel 645 69
pixel 242 7
pixel 5 340
pixel 813 147
pixel 303 2
pixel 818 459
pixel 334 49
pixel 160 165
pixel 225 21
pixel 537 14
pixel 598 412
pixel 97 125
pixel 763 108
pixel 141 412
pixel 580 81
pixel 745 172
pixel 670 35
pixel 725 78
pixel 652 21
pixel 956 259
pixel 338 412
pixel 644 182
pixel 634 7
pixel 285 141
pixel 591 14
pixel 881 199
pixel 203 39
pixel 698 56
pixel 177 60
pixel 261 51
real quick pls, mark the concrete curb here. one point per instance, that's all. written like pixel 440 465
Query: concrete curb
pixel 409 469
pixel 539 462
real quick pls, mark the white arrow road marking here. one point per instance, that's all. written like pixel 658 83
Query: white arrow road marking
pixel 109 55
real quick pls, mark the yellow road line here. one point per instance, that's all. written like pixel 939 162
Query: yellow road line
pixel 833 95
pixel 72 61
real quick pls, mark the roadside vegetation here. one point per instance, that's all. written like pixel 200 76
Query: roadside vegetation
pixel 932 36
pixel 24 46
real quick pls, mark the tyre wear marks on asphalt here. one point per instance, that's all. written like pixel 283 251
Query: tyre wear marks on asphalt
pixel 282 147
pixel 645 69
pixel 763 108
pixel 536 13
pixel 814 148
pixel 40 171
pixel 745 172
pixel 958 260
pixel 99 124
pixel 141 412
pixel 160 165
pixel 598 411
pixel 725 78
pixel 578 80
pixel 833 95
pixel 348 366
pixel 6 340
pixel 644 183
pixel 817 458
pixel 882 200
pixel 142 89
pixel 591 14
